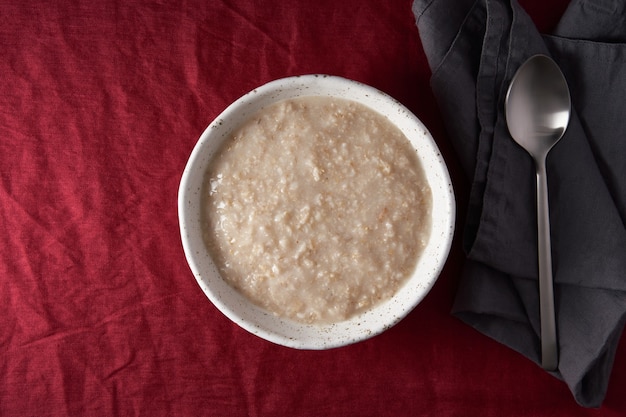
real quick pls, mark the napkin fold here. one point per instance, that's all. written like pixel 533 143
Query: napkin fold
pixel 474 47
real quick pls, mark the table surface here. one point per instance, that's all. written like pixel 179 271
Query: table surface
pixel 101 104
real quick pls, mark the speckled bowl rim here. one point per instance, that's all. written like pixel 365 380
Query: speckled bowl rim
pixel 286 332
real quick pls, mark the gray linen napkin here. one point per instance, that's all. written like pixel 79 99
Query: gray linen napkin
pixel 474 47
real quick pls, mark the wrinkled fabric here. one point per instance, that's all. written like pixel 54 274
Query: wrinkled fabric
pixel 498 294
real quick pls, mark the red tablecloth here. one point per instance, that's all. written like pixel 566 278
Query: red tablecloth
pixel 100 106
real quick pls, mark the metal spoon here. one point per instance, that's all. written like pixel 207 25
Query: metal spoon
pixel 538 108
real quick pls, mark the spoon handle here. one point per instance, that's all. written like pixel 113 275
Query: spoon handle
pixel 549 355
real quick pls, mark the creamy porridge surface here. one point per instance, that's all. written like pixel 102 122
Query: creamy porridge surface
pixel 316 209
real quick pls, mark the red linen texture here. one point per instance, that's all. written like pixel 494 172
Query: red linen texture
pixel 101 104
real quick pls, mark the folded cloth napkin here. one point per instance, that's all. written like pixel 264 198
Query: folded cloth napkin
pixel 474 48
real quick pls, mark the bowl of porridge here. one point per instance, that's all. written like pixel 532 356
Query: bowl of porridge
pixel 316 212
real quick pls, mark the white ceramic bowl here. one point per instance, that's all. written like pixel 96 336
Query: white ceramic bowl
pixel 265 324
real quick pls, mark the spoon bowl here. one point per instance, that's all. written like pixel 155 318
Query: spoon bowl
pixel 538 105
pixel 537 108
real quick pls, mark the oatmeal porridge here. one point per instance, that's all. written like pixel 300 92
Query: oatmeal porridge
pixel 316 209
